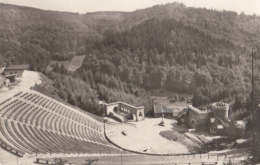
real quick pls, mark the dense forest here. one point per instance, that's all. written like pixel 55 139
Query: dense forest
pixel 205 53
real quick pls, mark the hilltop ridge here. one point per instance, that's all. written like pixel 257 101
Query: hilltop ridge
pixel 167 47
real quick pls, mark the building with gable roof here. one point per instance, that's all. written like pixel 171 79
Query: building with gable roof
pixel 15 70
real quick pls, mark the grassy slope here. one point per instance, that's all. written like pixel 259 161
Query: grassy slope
pixel 73 64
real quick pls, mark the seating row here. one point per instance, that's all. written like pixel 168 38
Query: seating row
pixel 30 139
pixel 32 122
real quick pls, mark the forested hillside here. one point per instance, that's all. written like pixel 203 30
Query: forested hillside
pixel 170 47
pixel 35 36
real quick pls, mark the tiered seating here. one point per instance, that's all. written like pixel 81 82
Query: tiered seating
pixel 33 122
pixel 30 138
pixel 14 139
pixel 9 106
pixel 7 139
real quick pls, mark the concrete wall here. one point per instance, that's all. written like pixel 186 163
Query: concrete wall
pixel 117 117
pixel 19 72
pixel 221 110
pixel 129 111
pixel 140 114
pixel 109 108
pixel 197 117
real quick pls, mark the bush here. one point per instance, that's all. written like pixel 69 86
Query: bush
pixel 235 129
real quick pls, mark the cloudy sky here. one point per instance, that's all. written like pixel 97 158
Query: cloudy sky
pixel 83 6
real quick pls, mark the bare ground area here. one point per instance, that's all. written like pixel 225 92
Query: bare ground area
pixel 73 64
pixel 145 137
pixel 28 80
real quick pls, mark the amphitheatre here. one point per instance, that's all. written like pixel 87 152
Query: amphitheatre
pixel 38 129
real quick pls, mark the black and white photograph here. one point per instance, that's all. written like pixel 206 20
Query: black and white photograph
pixel 129 82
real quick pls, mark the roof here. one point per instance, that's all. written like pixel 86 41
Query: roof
pixel 11 75
pixel 167 110
pixel 120 102
pixel 15 67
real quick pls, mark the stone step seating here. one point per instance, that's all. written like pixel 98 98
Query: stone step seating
pixel 22 95
pixel 5 101
pixel 40 139
pixel 40 100
pixel 10 106
pixel 31 117
pixel 30 138
pixel 62 128
pixel 8 134
pixel 30 97
pixel 21 137
pixel 23 116
pixel 27 96
pixel 18 113
pixel 45 102
pixel 46 120
pixel 35 99
pixel 5 104
pixel 36 138
pixel 39 120
pixel 8 140
pixel 52 140
pixel 70 131
pixel 17 137
pixel 53 119
pixel 16 108
pixel 48 143
pixel 57 126
pixel 36 123
pixel 19 93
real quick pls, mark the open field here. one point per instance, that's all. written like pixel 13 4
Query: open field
pixel 73 64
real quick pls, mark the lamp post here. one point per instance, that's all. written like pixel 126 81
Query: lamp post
pixel 253 108
pixel 121 156
pixel 162 112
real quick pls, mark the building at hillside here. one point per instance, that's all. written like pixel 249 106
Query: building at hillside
pixel 11 78
pixel 193 117
pixel 220 118
pixel 123 112
pixel 15 70
pixel 216 119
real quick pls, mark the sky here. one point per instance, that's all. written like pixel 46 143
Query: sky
pixel 83 6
